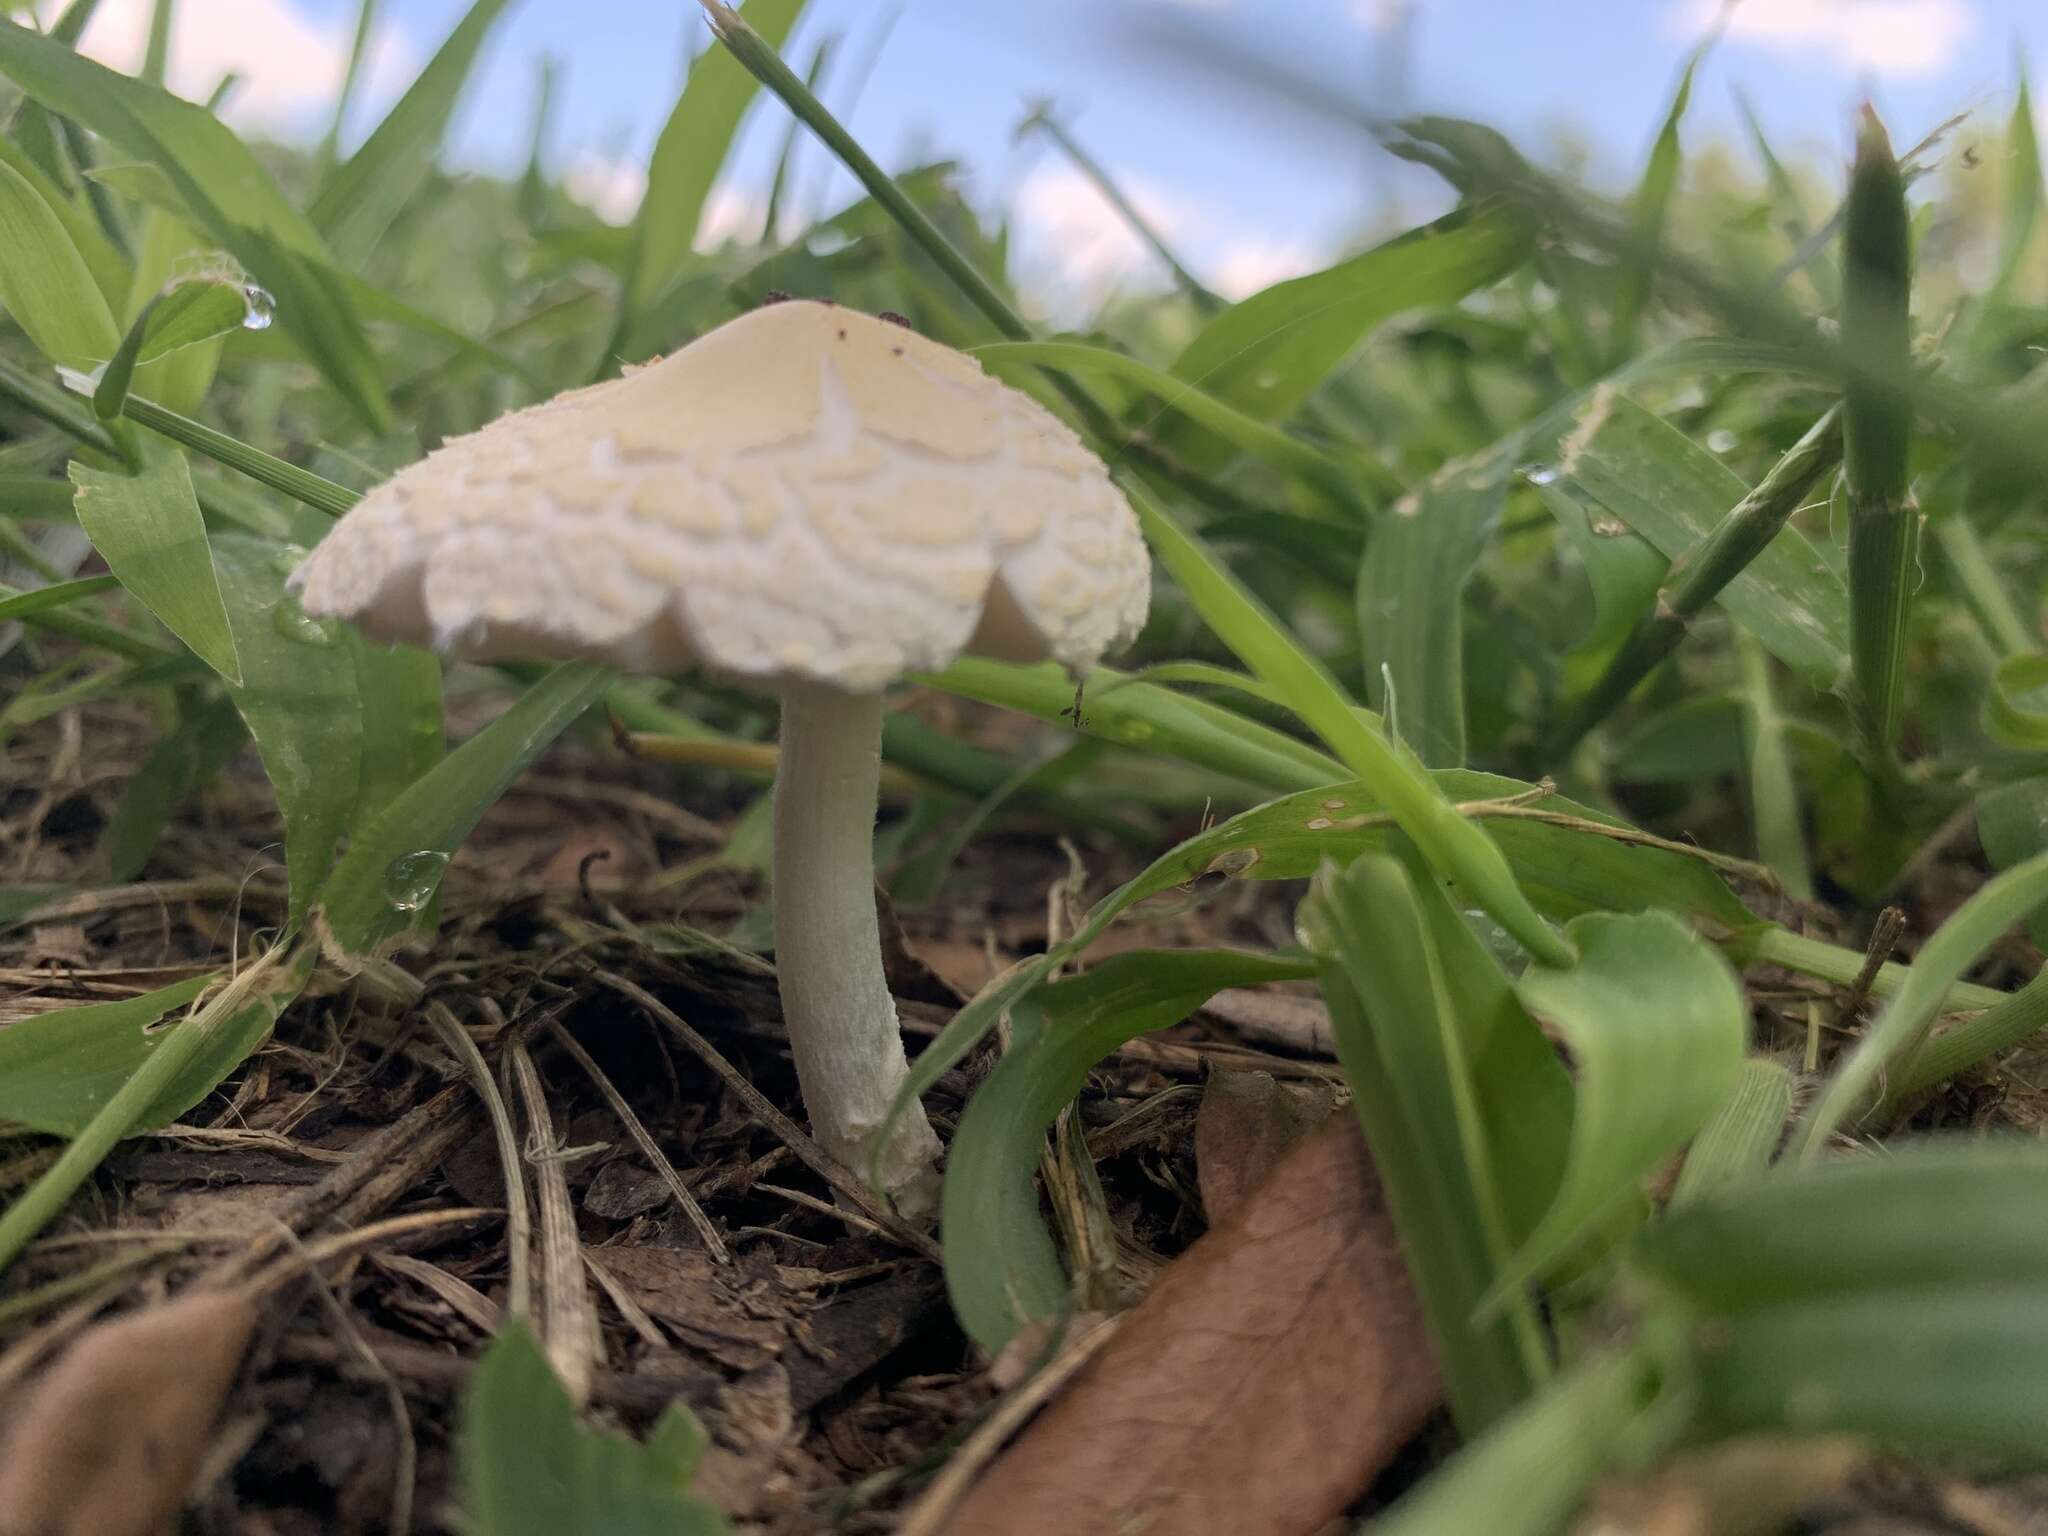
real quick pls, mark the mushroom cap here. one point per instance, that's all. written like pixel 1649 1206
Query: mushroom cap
pixel 806 492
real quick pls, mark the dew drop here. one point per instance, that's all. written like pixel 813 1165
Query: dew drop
pixel 295 624
pixel 1538 474
pixel 262 308
pixel 1721 440
pixel 412 879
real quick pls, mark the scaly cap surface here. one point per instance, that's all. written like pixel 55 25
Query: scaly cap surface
pixel 805 492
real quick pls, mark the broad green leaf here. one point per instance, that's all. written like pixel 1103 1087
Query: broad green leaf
pixel 1001 1268
pixel 1247 434
pixel 1954 1371
pixel 148 528
pixel 528 1467
pixel 177 766
pixel 44 282
pixel 1624 568
pixel 1411 619
pixel 1268 354
pixel 108 267
pixel 1673 492
pixel 226 191
pixel 1927 1214
pixel 299 698
pixel 2016 703
pixel 400 687
pixel 194 311
pixel 686 160
pixel 386 882
pixel 358 202
pixel 1406 1054
pixel 1657 1026
pixel 58 1069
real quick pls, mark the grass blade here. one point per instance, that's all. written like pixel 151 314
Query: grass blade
pixel 1404 1054
pixel 1678 496
pixel 149 530
pixel 693 146
pixel 1002 1270
pixel 1646 212
pixel 1738 1142
pixel 1773 792
pixel 1895 1039
pixel 1268 354
pixel 1456 849
pixel 1411 620
pixel 263 987
pixel 1536 1467
pixel 358 202
pixel 1701 572
pixel 387 879
pixel 298 695
pixel 45 284
pixel 1247 434
pixel 1877 427
pixel 226 189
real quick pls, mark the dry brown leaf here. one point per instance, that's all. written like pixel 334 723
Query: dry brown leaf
pixel 1248 1122
pixel 105 1443
pixel 1271 1373
pixel 739 1322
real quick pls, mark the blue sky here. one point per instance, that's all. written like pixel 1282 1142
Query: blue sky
pixel 1248 189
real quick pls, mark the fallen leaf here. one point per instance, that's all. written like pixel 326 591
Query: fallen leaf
pixel 1271 1018
pixel 1274 1369
pixel 1247 1124
pixel 739 1322
pixel 106 1442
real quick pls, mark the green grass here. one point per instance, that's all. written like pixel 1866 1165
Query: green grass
pixel 1545 487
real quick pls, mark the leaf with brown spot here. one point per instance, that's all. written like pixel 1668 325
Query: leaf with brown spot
pixel 1272 1372
pixel 1247 1124
pixel 107 1441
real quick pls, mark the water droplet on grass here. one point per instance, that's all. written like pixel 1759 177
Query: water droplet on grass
pixel 1538 474
pixel 262 308
pixel 412 879
pixel 300 627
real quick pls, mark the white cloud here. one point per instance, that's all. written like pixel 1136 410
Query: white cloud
pixel 1074 249
pixel 612 189
pixel 1902 38
pixel 1065 226
pixel 1244 266
pixel 290 65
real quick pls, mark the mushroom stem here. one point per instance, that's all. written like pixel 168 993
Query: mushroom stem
pixel 842 1022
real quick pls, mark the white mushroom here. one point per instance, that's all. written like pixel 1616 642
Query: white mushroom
pixel 808 500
